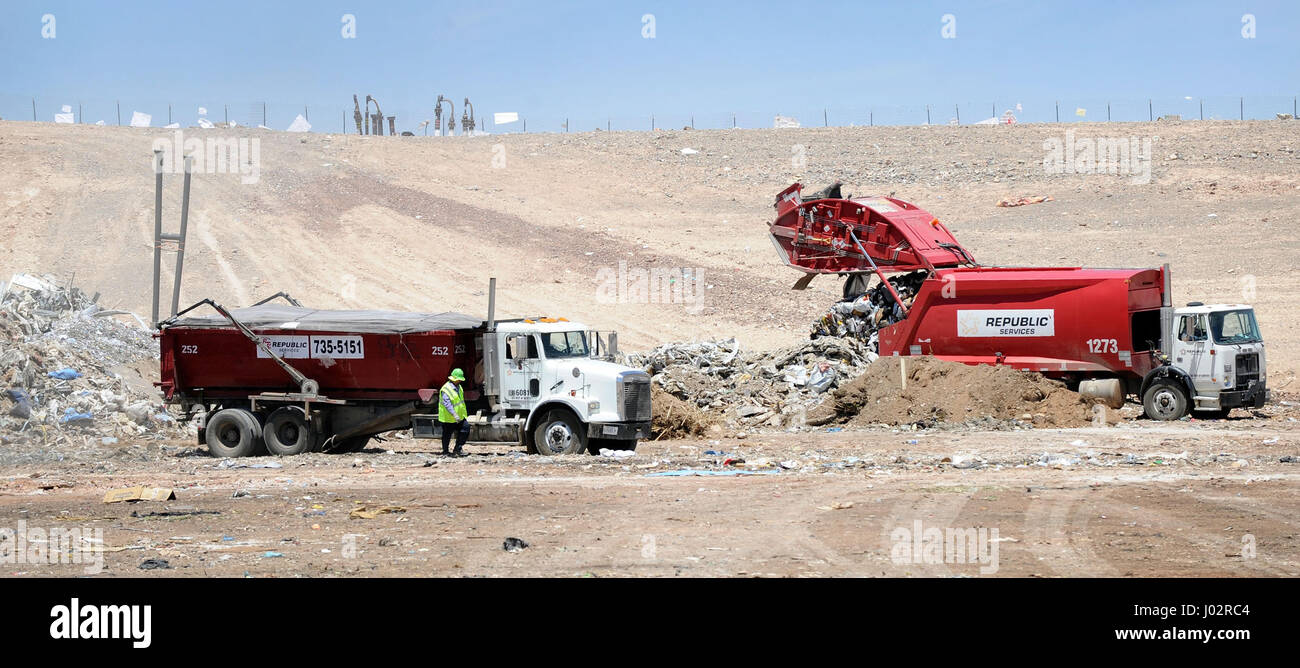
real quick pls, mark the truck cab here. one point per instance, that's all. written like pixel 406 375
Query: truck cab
pixel 552 379
pixel 1213 361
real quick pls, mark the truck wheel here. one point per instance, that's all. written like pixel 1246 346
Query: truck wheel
pixel 1165 401
pixel 559 433
pixel 287 432
pixel 233 432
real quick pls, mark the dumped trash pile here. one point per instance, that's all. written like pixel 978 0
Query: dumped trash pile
pixel 68 370
pixel 863 313
pixel 676 418
pixel 771 388
pixel 926 392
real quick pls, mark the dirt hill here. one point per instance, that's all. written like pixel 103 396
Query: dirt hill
pixel 421 223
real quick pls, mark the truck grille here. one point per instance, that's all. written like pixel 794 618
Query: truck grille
pixel 634 398
pixel 1247 370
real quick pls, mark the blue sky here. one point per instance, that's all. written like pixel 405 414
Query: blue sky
pixel 588 60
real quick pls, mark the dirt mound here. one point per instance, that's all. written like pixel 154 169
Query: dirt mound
pixel 674 418
pixel 950 392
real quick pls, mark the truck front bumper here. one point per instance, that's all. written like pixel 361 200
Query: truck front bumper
pixel 1252 397
pixel 619 431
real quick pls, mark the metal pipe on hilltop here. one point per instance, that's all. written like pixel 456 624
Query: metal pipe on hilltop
pixel 377 118
pixel 451 117
pixel 467 123
pixel 356 114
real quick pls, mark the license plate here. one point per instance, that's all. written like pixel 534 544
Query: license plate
pixel 610 431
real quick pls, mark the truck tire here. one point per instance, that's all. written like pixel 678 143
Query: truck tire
pixel 559 433
pixel 287 432
pixel 233 432
pixel 1165 401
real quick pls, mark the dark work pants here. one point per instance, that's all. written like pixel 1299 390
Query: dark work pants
pixel 460 429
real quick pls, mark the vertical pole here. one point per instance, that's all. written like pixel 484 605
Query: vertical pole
pixel 825 121
pixel 606 125
pixel 692 121
pixel 733 121
pixel 345 124
pixel 1107 112
pixel 157 231
pixel 1151 116
pixel 1201 103
pixel 652 122
pixel 263 113
pixel 180 243
pixel 1058 111
pixel 871 117
pixel 957 108
pixel 525 125
pixel 1241 109
pixel 119 113
pixel 566 125
pixel 927 114
pixel 226 113
pixel 995 109
pixel 80 118
pixel 169 114
pixel 33 110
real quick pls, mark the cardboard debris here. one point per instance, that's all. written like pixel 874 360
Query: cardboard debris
pixel 140 493
pixel 365 513
pixel 1021 201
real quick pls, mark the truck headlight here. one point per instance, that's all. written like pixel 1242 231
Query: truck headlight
pixel 593 406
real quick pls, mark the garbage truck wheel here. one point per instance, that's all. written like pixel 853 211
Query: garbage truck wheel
pixel 1165 401
pixel 559 433
pixel 233 432
pixel 287 432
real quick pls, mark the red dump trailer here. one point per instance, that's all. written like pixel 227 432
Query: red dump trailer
pixel 1059 321
pixel 1115 329
pixel 288 379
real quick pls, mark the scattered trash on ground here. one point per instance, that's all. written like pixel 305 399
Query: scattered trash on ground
pixel 139 493
pixel 1021 201
pixel 513 544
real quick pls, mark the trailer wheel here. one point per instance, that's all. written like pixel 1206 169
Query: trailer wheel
pixel 559 433
pixel 232 432
pixel 287 432
pixel 1165 401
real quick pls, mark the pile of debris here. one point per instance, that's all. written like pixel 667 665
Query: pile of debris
pixel 70 372
pixel 768 388
pixel 863 312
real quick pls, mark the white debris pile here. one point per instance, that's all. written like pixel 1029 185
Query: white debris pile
pixel 74 373
pixel 769 388
pixel 863 313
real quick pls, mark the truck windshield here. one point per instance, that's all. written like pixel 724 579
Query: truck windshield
pixel 1234 327
pixel 564 344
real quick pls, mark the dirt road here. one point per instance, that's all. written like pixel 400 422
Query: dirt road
pixel 1140 499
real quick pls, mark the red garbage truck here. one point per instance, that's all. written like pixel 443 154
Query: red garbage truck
pixel 1114 332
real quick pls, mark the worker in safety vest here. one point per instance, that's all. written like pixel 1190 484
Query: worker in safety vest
pixel 452 414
